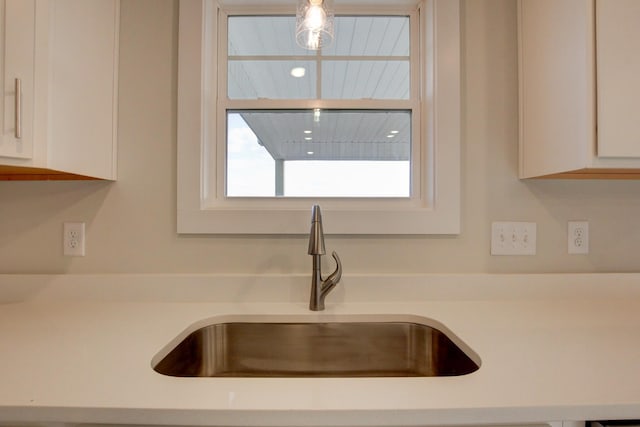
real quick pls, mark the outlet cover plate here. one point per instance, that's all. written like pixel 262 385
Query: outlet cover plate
pixel 578 237
pixel 513 238
pixel 73 239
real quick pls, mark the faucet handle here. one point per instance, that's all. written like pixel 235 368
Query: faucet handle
pixel 332 280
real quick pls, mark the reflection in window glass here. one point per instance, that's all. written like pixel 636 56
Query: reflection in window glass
pixel 314 153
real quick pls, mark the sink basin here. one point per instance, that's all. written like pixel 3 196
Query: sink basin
pixel 333 349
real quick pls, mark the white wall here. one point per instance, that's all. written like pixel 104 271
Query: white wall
pixel 131 223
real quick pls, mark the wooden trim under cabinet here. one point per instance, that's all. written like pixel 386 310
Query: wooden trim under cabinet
pixel 19 173
pixel 594 173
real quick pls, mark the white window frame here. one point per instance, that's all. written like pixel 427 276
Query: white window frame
pixel 434 209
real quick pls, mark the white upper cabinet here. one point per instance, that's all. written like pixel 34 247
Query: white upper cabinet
pixel 578 63
pixel 68 105
pixel 618 77
pixel 17 45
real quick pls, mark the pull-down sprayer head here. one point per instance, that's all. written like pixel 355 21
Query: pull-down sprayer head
pixel 316 235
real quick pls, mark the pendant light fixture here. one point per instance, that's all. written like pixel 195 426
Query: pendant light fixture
pixel 314 24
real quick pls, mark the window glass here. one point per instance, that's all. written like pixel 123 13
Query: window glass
pixel 369 59
pixel 271 80
pixel 363 150
pixel 368 80
pixel 370 36
pixel 263 35
pixel 327 153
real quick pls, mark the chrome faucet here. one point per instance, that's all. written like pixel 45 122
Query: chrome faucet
pixel 320 287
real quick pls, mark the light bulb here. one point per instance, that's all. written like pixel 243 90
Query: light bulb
pixel 315 18
pixel 314 24
pixel 313 40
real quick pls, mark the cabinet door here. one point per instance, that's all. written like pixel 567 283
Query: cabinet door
pixel 557 105
pixel 17 38
pixel 618 77
pixel 83 86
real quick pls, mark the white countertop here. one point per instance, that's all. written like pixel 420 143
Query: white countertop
pixel 552 348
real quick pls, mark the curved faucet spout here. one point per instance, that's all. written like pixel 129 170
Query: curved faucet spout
pixel 320 287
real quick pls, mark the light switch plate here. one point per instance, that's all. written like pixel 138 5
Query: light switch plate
pixel 513 238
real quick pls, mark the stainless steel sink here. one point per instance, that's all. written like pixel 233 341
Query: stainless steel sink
pixel 339 349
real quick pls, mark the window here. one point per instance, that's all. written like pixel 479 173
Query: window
pixel 255 143
pixel 355 145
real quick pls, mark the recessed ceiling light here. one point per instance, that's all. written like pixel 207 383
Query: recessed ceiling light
pixel 307 131
pixel 298 72
pixel 308 138
pixel 394 132
pixel 310 153
pixel 390 136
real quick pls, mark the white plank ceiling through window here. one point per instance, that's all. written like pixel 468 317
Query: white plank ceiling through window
pixel 368 59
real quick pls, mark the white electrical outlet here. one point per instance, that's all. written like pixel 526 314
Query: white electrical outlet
pixel 578 237
pixel 73 239
pixel 513 238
